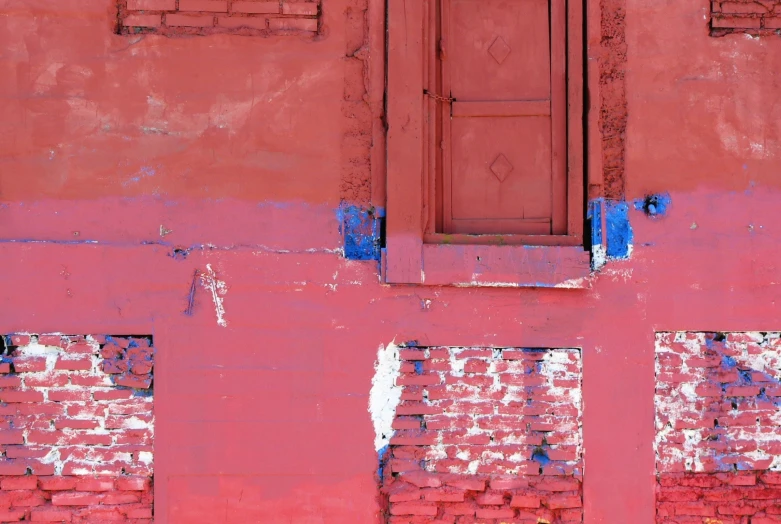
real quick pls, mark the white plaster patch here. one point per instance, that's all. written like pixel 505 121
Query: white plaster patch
pixel 385 395
pixel 218 289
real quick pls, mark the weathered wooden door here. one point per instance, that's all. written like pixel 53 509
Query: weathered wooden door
pixel 503 64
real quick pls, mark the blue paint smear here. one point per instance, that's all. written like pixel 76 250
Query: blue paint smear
pixel 654 205
pixel 418 367
pixel 361 229
pixel 382 460
pixel 595 217
pixel 540 456
pixel 619 231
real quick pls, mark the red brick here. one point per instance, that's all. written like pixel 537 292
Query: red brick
pixel 20 340
pixel 772 23
pixel 133 382
pixel 525 501
pixel 133 483
pixel 494 513
pixel 413 508
pixel 29 364
pixel 69 395
pixel 419 380
pixel 490 498
pixel 469 484
pixel 563 501
pixel 12 515
pixel 47 380
pixel 94 484
pixel 742 8
pixel 421 479
pixel 75 498
pixel 118 497
pixel 21 396
pixel 739 23
pixel 27 482
pixel 10 381
pixel 76 424
pixel 443 495
pixel 261 7
pixel 13 467
pixel 180 20
pixel 300 8
pixel 51 515
pixel 140 513
pixel 5 367
pixel 292 24
pixel 152 5
pixel 11 436
pixel 215 6
pixel 112 394
pixel 57 483
pixel 74 364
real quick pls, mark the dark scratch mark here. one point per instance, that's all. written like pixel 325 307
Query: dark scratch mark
pixel 191 296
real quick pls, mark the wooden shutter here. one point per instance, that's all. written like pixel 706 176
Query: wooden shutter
pixel 504 133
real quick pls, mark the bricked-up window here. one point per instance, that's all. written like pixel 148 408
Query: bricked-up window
pixel 218 16
pixel 745 16
pixel 485 113
pixel 718 442
pixel 486 433
pixel 78 428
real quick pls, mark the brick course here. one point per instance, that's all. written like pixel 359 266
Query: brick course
pixel 718 408
pixel 78 429
pixel 745 16
pixel 215 16
pixel 488 434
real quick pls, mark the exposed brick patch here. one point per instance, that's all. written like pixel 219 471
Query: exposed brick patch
pixel 488 434
pixel 201 17
pixel 77 428
pixel 745 16
pixel 718 443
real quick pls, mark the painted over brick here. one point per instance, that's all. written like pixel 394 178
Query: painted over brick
pixel 78 443
pixel 718 400
pixel 192 17
pixel 486 433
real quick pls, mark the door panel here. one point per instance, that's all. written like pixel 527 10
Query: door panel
pixel 499 49
pixel 501 170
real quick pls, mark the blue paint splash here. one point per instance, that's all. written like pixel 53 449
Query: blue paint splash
pixel 655 206
pixel 362 231
pixel 619 230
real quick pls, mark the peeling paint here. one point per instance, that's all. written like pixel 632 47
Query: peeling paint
pixel 385 394
pixel 217 289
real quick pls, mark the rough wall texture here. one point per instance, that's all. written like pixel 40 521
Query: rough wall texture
pixel 717 419
pixel 488 434
pixel 211 16
pixel 745 16
pixel 77 429
pixel 613 113
pixel 355 186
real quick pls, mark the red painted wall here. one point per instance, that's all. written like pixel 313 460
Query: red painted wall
pixel 114 150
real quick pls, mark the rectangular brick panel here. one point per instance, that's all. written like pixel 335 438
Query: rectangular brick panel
pixel 486 433
pixel 204 17
pixel 744 16
pixel 718 442
pixel 80 428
